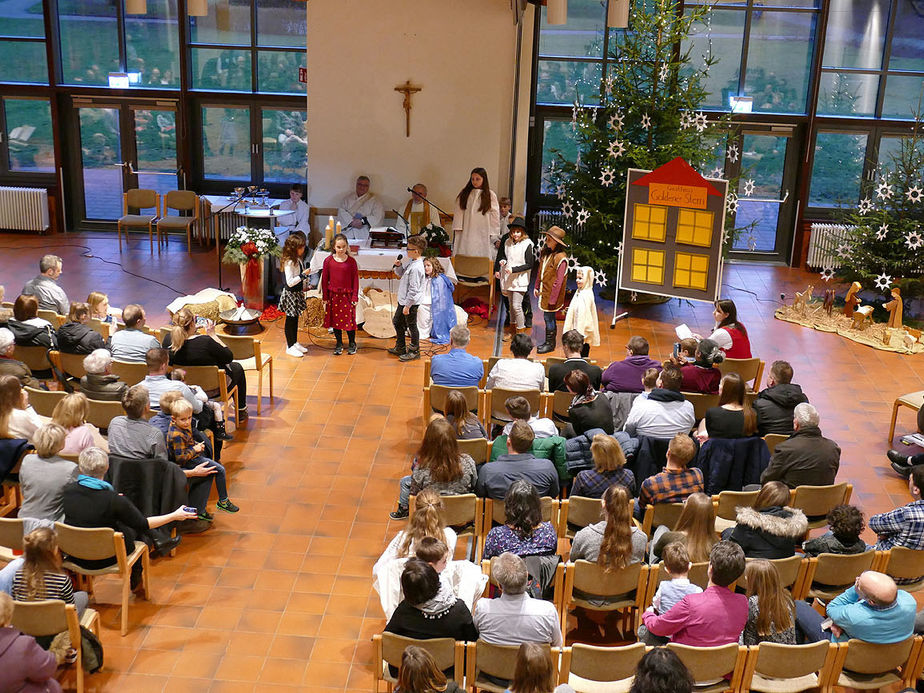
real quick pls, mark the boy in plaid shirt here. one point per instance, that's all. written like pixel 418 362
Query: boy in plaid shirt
pixel 676 482
pixel 187 453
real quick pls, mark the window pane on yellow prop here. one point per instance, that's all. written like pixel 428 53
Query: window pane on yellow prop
pixel 648 266
pixel 650 223
pixel 691 271
pixel 694 227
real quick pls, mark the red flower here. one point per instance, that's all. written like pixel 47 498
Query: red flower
pixel 249 249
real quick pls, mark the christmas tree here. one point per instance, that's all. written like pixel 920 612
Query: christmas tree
pixel 648 115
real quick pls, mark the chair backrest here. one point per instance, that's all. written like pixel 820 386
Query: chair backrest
pixel 661 514
pixel 788 569
pixel 479 449
pixel 242 347
pixel 459 512
pixel 817 501
pixel 873 658
pixel 207 377
pixel 548 507
pixel 836 569
pixel 551 361
pixel 472 266
pixel 708 663
pixel 46 617
pixel 728 501
pixel 101 414
pixel 778 661
pixel 701 402
pixel 581 512
pixel 587 663
pixel 11 529
pixel 904 563
pixel 774 439
pixel 590 578
pixel 561 403
pixel 100 327
pixel 497 660
pixel 181 201
pixel 439 393
pixel 36 357
pixel 87 543
pixel 72 364
pixel 141 198
pixel 44 401
pixel 443 650
pixel 130 373
pixel 748 369
pixel 56 319
pixel 500 395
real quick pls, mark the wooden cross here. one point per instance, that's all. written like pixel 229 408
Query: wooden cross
pixel 407 89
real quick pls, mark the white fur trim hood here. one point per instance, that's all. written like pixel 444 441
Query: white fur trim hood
pixel 791 524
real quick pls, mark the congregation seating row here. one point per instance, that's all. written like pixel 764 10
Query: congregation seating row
pixel 768 667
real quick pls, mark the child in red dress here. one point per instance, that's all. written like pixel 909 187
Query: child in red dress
pixel 340 293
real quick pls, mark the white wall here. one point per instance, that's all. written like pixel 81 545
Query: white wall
pixel 463 54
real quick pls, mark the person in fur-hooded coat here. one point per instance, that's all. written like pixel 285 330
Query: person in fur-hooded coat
pixel 770 529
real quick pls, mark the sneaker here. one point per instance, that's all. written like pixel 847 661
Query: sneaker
pixel 399 514
pixel 206 516
pixel 301 347
pixel 395 351
pixel 338 350
pixel 351 349
pixel 295 352
pixel 227 506
pixel 409 356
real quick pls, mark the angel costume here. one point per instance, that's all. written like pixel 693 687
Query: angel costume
pixel 582 313
pixel 474 232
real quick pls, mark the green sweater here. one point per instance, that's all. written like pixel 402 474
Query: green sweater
pixel 551 448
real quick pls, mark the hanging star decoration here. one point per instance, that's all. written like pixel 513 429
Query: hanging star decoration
pixel 865 206
pixel 616 149
pixel 663 73
pixel 733 152
pixel 573 263
pixel 687 120
pixel 749 187
pixel 827 274
pixel 883 281
pixel 619 248
pixel 882 232
pixel 616 120
pixel 646 121
pixel 607 176
pixel 560 191
pixel 567 209
pixel 599 279
pixel 700 122
pixel 913 240
pixel 731 203
pixel 884 191
pixel 914 194
pixel 718 172
pixel 842 250
pixel 582 216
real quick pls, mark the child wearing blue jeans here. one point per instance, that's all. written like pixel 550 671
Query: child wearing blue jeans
pixel 188 454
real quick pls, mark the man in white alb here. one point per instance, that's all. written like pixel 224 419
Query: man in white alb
pixel 418 212
pixel 297 221
pixel 360 211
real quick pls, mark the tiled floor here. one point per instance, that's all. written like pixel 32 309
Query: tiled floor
pixel 279 596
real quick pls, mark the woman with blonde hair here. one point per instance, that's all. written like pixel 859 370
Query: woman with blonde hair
pixel 463 421
pixel 17 418
pixel 733 417
pixel 189 348
pixel 695 528
pixel 99 309
pixel 609 468
pixel 71 414
pixel 41 576
pixel 44 474
pixel 427 521
pixel 771 610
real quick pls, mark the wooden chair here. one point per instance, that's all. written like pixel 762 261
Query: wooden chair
pixel 913 400
pixel 212 379
pixel 590 668
pixel 389 648
pixel 791 571
pixel 68 364
pixel 44 401
pixel 711 663
pixel 774 439
pixel 11 497
pixel 558 581
pixel 870 666
pixel 495 660
pixel 775 668
pixel 578 512
pixel 248 352
pixel 55 318
pixel 748 369
pixel 701 402
pixel 434 400
pixel 464 513
pixel 495 513
pixel 499 396
pixel 138 199
pixel 661 514
pixel 52 616
pixel 817 501
pixel 129 373
pixel 905 565
pixel 479 449
pixel 11 530
pixel 829 574
pixel 698 575
pixel 98 543
pixel 624 591
pixel 101 413
pixel 180 201
pixel 104 329
pixel 726 505
pixel 36 357
pixel 475 272
pixel 558 405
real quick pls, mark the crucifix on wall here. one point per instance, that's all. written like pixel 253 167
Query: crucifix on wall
pixel 407 89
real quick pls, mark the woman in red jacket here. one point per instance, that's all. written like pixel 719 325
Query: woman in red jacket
pixel 340 293
pixel 729 334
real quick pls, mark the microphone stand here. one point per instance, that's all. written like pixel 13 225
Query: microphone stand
pixel 407 225
pixel 432 204
pixel 211 217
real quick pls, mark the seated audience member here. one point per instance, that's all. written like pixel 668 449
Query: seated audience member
pixel 695 529
pixel 845 524
pixel 186 452
pixel 626 375
pixel 44 286
pixel 775 403
pixel 518 409
pixel 733 418
pixel 5 313
pixel 535 672
pixel 24 665
pixel 466 578
pixel 494 478
pixel 25 312
pixel 157 382
pixel 589 409
pixel 133 343
pixel 91 502
pixel 714 617
pixel 419 674
pixel 729 334
pixel 10 366
pixel 71 414
pixel 609 468
pixel 164 415
pixel 438 465
pixel 99 383
pixel 131 435
pixel 873 610
pixel 661 671
pixel 41 575
pixel 524 533
pixel 676 564
pixel 807 458
pixel 649 381
pixel 664 412
pixel 615 541
pixel 677 481
pixel 771 610
pixel 427 521
pixel 43 475
pixel 99 309
pixel 902 463
pixel 76 336
pixel 515 617
pixel 465 424
pixel 430 609
pixel 518 373
pixel 457 368
pixel 17 418
pixel 771 529
pixel 700 374
pixel 28 329
pixel 902 526
pixel 572 342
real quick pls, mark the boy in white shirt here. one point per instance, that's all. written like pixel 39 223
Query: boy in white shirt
pixel 410 292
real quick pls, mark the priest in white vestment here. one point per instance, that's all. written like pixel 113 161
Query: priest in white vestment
pixel 475 223
pixel 360 211
pixel 419 212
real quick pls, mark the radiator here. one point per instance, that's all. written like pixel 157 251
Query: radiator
pixel 823 241
pixel 24 209
pixel 549 217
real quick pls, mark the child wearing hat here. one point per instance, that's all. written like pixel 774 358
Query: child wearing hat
pixel 513 271
pixel 550 283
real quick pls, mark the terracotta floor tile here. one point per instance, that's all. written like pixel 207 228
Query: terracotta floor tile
pixel 248 643
pixel 240 667
pixel 151 661
pixel 334 649
pixel 283 671
pixel 292 647
pixel 259 620
pixel 320 673
pixel 199 665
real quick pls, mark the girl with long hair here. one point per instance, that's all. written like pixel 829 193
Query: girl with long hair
pixel 437 312
pixel 41 576
pixel 771 529
pixel 476 218
pixel 609 468
pixel 292 301
pixel 771 610
pixel 550 284
pixel 17 418
pixel 615 541
pixel 728 333
pixel 582 311
pixel 695 528
pixel 463 421
pixel 340 293
pixel 99 310
pixel 71 414
pixel 534 671
pixel 734 417
pixel 419 674
pixel 524 533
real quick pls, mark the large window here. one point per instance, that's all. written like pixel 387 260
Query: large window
pixel 22 43
pixel 29 139
pixel 838 169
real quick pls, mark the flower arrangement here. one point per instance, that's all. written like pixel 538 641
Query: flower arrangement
pixel 251 244
pixel 437 238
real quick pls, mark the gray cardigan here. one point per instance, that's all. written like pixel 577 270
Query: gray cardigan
pixel 42 481
pixel 586 543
